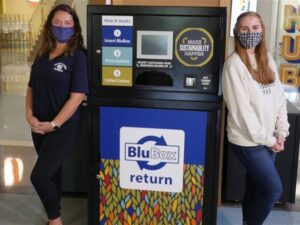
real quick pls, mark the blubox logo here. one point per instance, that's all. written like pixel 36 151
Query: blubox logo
pixel 151 159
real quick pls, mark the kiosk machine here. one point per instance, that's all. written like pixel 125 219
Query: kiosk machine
pixel 155 109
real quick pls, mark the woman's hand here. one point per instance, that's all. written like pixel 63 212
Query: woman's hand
pixel 46 127
pixel 279 145
pixel 280 141
pixel 40 127
pixel 34 124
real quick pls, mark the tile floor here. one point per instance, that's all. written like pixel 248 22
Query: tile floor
pixel 24 209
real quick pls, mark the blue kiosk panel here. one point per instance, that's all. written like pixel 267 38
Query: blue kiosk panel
pixel 151 165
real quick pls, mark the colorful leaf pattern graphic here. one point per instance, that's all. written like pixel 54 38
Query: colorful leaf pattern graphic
pixel 139 207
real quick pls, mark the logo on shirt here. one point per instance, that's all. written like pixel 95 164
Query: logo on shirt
pixel 266 88
pixel 60 67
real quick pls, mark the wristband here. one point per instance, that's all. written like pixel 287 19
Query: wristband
pixel 54 125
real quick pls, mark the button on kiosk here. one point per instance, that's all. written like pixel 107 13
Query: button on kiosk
pixel 155 113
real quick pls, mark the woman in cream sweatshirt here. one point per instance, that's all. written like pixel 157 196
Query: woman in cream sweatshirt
pixel 257 118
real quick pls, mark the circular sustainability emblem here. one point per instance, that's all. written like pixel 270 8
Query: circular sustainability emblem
pixel 194 47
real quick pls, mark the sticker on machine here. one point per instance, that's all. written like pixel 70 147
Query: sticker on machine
pixel 151 159
pixel 114 20
pixel 194 47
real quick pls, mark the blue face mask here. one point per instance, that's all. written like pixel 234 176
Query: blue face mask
pixel 62 34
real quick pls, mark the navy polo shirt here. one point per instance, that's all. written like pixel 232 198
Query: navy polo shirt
pixel 52 81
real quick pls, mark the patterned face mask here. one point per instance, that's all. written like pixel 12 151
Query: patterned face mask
pixel 250 40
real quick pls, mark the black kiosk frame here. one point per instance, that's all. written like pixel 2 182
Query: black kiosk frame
pixel 173 87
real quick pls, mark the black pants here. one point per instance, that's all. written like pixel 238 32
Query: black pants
pixel 52 149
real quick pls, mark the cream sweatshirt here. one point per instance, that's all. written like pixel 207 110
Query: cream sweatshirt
pixel 256 112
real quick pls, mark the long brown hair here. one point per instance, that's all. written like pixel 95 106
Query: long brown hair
pixel 48 42
pixel 263 74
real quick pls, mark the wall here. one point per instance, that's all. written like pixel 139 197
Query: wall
pixel 23 7
pixel 168 2
pixel 268 12
pixel 96 2
pixel 81 9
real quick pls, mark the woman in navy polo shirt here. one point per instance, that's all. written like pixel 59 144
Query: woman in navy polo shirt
pixel 57 86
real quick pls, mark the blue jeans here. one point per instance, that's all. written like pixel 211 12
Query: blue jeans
pixel 263 184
